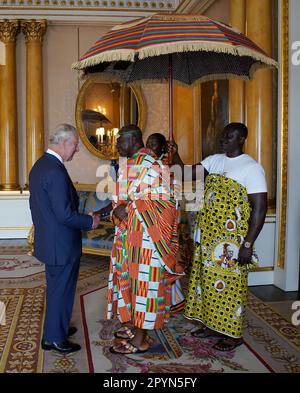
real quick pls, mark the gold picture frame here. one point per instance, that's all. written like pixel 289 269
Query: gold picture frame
pixel 80 104
pixel 284 129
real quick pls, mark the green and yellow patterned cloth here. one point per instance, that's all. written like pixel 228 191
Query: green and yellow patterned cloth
pixel 217 291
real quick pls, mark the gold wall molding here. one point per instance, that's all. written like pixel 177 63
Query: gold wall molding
pixel 153 5
pixel 85 186
pixel 34 30
pixel 9 29
pixel 261 269
pixel 96 251
pixel 284 130
pixel 14 228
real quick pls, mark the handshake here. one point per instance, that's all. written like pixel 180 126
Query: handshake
pixel 97 217
pixel 102 214
pixel 116 215
pixel 96 220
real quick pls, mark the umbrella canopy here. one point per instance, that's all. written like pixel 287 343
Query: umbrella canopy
pixel 90 115
pixel 187 48
pixel 201 49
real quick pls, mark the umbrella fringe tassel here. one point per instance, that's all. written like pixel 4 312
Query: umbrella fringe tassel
pixel 179 47
pixel 115 55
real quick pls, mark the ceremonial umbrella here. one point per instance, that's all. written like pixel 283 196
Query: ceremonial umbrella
pixel 94 116
pixel 183 47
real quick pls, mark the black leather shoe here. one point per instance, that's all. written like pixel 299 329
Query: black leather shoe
pixel 72 331
pixel 63 347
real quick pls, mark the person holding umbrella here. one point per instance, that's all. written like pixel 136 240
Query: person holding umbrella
pixel 159 145
pixel 226 227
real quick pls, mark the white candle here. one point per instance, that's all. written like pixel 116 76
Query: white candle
pixel 100 133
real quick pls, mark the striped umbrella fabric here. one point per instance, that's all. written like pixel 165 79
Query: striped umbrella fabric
pixel 202 49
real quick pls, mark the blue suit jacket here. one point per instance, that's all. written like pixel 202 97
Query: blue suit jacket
pixel 54 210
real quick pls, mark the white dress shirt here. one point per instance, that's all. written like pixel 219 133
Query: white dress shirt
pixel 53 153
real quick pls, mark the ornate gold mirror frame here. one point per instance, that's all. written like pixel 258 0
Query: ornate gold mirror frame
pixel 108 152
pixel 284 128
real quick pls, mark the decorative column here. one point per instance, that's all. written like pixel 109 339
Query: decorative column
pixel 237 87
pixel 184 120
pixel 34 31
pixel 9 30
pixel 259 104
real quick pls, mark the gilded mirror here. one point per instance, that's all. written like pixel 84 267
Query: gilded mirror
pixel 102 108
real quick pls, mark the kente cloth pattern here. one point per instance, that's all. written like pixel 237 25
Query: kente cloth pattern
pixel 149 265
pixel 119 285
pixel 217 290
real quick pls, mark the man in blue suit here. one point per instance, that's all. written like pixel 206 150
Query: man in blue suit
pixel 57 234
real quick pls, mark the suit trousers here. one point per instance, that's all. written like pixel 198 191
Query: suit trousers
pixel 60 293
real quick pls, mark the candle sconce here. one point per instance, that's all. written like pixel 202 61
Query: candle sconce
pixel 107 141
pixel 102 108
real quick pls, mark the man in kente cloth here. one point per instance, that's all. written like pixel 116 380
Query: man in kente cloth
pixel 144 256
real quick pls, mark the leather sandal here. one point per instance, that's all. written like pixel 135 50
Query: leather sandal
pixel 126 349
pixel 149 340
pixel 124 333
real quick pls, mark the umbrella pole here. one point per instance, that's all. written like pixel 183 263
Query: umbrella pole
pixel 171 135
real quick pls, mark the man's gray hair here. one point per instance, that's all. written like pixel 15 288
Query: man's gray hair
pixel 62 132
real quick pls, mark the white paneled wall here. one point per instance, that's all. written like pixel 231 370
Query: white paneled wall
pixel 15 217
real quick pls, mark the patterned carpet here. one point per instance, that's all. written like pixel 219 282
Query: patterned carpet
pixel 13 247
pixel 174 349
pixel 272 344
